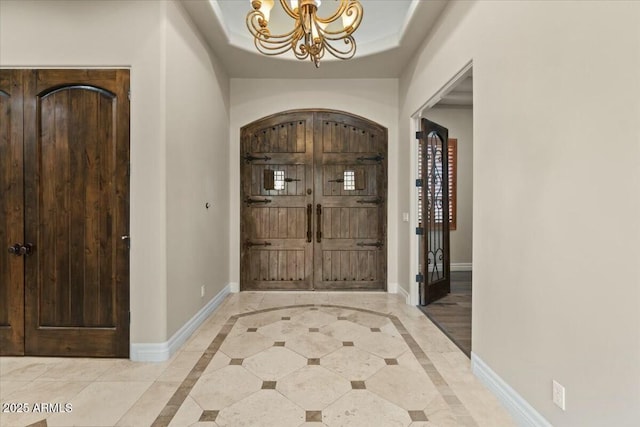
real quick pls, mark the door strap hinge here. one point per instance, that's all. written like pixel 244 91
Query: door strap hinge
pixel 419 278
pixel 418 182
pixel 419 135
pixel 419 231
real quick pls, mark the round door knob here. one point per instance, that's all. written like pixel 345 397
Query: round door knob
pixel 16 249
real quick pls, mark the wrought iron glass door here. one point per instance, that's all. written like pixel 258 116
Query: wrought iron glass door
pixel 433 216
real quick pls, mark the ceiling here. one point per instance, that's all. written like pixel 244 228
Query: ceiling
pixel 390 33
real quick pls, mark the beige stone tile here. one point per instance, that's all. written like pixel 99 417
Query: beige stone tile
pixel 313 345
pixel 40 392
pixel 77 369
pixel 188 414
pixel 391 330
pixel 224 387
pixel 382 345
pixel 100 404
pixel 283 330
pixel 9 387
pixel 245 345
pixel 25 368
pixel 311 298
pixel 145 410
pixel 314 319
pixel 368 320
pixel 277 299
pixel 266 408
pixel 344 330
pixel 409 361
pixel 260 319
pixel 274 363
pixel 404 387
pixel 201 339
pixel 219 361
pixel 180 366
pixel 353 363
pixel 361 408
pixel 313 387
pixel 126 370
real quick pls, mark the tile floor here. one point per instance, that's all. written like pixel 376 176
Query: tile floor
pixel 270 359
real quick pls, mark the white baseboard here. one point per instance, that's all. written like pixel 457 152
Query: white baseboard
pixel 461 266
pixel 405 294
pixel 524 414
pixel 159 352
pixel 392 288
pixel 234 287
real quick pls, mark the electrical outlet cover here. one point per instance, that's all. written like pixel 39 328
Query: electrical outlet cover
pixel 558 395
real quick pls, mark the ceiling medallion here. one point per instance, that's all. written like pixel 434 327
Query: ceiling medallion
pixel 311 35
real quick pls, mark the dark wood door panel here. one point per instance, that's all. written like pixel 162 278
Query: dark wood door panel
pixel 11 213
pixel 77 193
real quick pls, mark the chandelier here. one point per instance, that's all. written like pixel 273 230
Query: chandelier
pixel 311 36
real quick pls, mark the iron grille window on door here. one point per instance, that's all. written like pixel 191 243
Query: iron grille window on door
pixel 452 157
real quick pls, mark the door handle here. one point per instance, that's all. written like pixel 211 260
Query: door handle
pixel 319 225
pixel 18 249
pixel 309 232
pixel 250 201
pixel 27 249
pixel 15 249
pixel 375 201
pixel 251 244
pixel 377 244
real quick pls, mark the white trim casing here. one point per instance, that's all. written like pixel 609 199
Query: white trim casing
pixel 159 352
pixel 524 414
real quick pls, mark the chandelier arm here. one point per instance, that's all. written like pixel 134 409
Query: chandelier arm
pixel 338 34
pixel 291 12
pixel 344 4
pixel 257 30
pixel 343 54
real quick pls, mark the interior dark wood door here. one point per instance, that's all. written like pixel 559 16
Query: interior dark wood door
pixel 350 203
pixel 313 213
pixel 277 196
pixel 11 214
pixel 77 212
pixel 434 214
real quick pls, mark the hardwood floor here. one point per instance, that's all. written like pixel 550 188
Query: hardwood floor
pixel 452 314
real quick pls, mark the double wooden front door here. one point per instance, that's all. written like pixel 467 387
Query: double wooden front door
pixel 313 202
pixel 64 208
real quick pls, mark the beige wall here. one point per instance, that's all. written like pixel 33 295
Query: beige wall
pixel 197 124
pixel 556 201
pixel 251 99
pixel 183 117
pixel 459 122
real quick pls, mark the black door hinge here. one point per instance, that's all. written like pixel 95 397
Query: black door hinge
pixel 418 182
pixel 419 135
pixel 419 278
pixel 419 231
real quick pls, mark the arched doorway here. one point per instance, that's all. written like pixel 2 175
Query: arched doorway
pixel 313 210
